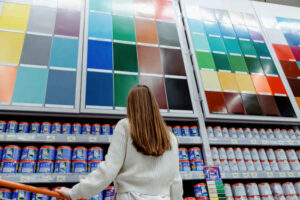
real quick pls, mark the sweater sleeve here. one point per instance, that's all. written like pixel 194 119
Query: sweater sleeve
pixel 176 190
pixel 107 171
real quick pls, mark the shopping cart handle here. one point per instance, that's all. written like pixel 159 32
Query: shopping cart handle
pixel 19 186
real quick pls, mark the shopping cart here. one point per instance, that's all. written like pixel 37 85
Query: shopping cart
pixel 19 186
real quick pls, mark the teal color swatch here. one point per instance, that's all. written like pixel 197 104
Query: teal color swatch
pixel 30 86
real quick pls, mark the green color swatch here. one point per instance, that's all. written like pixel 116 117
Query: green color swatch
pixel 269 67
pixel 232 46
pixel 122 85
pixel 125 57
pixel 254 65
pixel 123 28
pixel 238 63
pixel 205 60
pixel 200 43
pixel 247 47
pixel 222 62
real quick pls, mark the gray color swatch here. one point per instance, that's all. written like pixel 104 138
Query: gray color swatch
pixel 41 20
pixel 36 50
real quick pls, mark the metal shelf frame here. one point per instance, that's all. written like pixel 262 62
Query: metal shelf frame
pixel 69 138
pixel 73 177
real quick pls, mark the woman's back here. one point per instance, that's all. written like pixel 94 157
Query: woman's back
pixel 146 174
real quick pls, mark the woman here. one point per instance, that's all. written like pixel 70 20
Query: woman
pixel 142 158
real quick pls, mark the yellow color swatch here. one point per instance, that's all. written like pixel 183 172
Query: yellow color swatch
pixel 245 83
pixel 11 47
pixel 210 80
pixel 14 16
pixel 228 82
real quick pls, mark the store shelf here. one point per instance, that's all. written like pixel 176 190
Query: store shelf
pixel 260 175
pixel 73 178
pixel 56 138
pixel 254 142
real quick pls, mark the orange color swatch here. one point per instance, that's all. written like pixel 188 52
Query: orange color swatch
pixel 283 52
pixel 298 101
pixel 261 84
pixel 7 83
pixel 276 85
pixel 146 31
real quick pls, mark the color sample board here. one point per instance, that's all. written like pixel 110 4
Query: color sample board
pixel 282 28
pixel 40 62
pixel 129 43
pixel 236 70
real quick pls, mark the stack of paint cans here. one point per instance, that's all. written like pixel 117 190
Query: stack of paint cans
pixel 200 191
pixel 185 131
pixel 263 191
pixel 10 159
pixel 190 160
pixel 254 133
pixel 245 159
pixel 31 159
pixel 56 128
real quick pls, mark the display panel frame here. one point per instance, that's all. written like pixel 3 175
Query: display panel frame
pixel 44 107
pixel 241 6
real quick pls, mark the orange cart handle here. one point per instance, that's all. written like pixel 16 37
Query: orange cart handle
pixel 29 188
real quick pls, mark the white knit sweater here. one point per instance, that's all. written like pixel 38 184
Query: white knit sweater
pixel 132 171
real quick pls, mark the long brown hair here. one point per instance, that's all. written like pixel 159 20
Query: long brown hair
pixel 148 130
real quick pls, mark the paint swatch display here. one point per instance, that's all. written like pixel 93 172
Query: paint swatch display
pixel 237 71
pixel 289 53
pixel 39 54
pixel 130 43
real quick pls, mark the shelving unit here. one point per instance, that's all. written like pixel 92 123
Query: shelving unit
pixel 200 114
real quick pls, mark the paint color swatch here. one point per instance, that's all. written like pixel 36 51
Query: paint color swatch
pixel 39 55
pixel 237 72
pixel 131 43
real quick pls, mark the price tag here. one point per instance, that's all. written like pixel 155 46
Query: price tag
pixel 281 142
pixel 11 137
pixel 50 137
pixel 291 174
pixel 298 174
pixel 27 137
pixel 25 178
pixel 223 175
pixel 282 174
pixel 253 174
pixel 291 142
pixel 264 142
pixel 46 178
pixel 189 175
pixel 71 138
pixel 82 176
pixel 234 141
pixel 253 141
pixel 92 139
pixel 246 175
pixel 61 178
pixel 298 142
pixel 235 175
pixel 270 174
pixel 1 137
pixel 201 175
pixel 196 140
pixel 109 139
